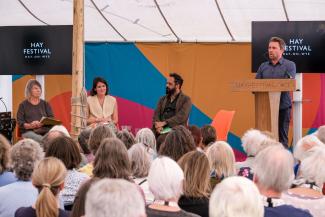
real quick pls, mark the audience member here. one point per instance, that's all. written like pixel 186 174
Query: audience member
pixel 196 133
pixel 320 133
pixel 126 137
pixel 47 138
pixel 209 136
pixel 222 162
pixel 114 198
pixel 48 177
pixel 6 177
pixel 273 174
pixel 236 197
pixel 166 184
pixel 308 192
pixel 112 161
pixel 196 187
pixel 148 139
pixel 140 164
pixel 177 143
pixel 78 208
pixel 96 136
pixel 24 155
pixel 65 149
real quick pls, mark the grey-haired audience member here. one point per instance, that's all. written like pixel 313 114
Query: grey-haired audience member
pixel 272 183
pixel 25 154
pixel 236 197
pixel 114 198
pixel 148 139
pixel 308 191
pixel 166 184
pixel 140 164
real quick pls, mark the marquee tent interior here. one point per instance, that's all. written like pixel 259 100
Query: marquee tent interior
pixel 134 44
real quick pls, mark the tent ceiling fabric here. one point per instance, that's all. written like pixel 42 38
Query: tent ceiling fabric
pixel 162 20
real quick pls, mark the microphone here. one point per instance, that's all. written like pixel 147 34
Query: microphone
pixel 3 103
pixel 288 74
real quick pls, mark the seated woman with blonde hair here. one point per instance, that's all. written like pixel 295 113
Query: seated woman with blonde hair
pixel 48 177
pixel 102 108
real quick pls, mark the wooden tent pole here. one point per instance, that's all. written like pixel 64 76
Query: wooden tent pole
pixel 77 66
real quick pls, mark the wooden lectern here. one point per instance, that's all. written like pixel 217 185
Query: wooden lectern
pixel 267 99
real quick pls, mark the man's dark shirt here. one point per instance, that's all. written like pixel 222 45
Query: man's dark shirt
pixel 283 69
pixel 170 109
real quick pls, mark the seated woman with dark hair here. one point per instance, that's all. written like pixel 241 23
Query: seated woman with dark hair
pixel 196 187
pixel 65 149
pixel 126 137
pixel 31 111
pixel 102 108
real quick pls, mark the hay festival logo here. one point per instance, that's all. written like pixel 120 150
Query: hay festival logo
pixel 37 50
pixel 297 47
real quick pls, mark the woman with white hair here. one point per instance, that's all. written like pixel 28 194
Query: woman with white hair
pixel 31 111
pixel 222 162
pixel 236 197
pixel 148 139
pixel 166 183
pixel 140 164
pixel 308 192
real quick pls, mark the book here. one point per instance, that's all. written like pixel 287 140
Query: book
pixel 165 130
pixel 46 121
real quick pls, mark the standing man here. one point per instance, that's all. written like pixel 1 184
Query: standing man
pixel 174 108
pixel 278 67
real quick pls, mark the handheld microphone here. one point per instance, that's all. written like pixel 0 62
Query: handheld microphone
pixel 288 74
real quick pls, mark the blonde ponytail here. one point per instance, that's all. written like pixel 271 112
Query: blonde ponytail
pixel 48 176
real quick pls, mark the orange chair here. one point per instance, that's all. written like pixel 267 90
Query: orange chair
pixel 222 122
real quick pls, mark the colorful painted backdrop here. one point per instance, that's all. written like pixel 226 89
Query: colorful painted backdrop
pixel 137 73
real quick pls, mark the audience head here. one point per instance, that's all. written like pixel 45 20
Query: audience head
pixel 78 208
pixel 97 80
pixel 177 143
pixel 4 154
pixel 146 137
pixel 60 128
pixel 236 197
pixel 252 140
pixel 165 179
pixel 114 198
pixel 196 133
pixel 46 140
pixel 111 160
pixel 312 167
pixel 126 137
pixel 306 143
pixel 222 159
pixel 140 160
pixel 268 163
pixel 65 149
pixel 209 135
pixel 196 168
pixel 97 135
pixel 24 155
pixel 320 133
pixel 83 139
pixel 48 177
pixel 31 84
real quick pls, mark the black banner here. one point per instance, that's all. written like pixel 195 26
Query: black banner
pixel 305 43
pixel 35 50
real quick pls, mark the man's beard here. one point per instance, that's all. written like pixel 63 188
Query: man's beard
pixel 170 92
